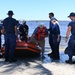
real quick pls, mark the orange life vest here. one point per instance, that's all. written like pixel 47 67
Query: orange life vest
pixel 40 32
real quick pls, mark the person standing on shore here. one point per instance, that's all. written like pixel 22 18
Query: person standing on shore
pixel 56 39
pixel 51 16
pixel 0 34
pixel 71 43
pixel 10 31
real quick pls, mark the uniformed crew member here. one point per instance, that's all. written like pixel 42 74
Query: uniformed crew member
pixel 56 39
pixel 24 31
pixel 71 43
pixel 51 16
pixel 10 32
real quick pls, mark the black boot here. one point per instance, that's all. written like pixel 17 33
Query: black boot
pixel 70 60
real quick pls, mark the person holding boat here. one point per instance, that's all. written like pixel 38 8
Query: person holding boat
pixel 71 43
pixel 38 37
pixel 10 32
pixel 24 32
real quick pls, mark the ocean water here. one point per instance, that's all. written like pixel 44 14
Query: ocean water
pixel 33 24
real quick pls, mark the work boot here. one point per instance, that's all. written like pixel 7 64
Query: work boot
pixel 69 61
pixel 12 60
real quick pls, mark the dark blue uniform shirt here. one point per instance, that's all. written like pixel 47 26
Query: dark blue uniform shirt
pixel 72 24
pixel 9 24
pixel 50 24
pixel 55 29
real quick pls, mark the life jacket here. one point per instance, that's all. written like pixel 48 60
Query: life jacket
pixel 40 32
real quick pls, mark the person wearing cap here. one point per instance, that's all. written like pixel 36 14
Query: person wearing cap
pixel 38 37
pixel 56 37
pixel 24 32
pixel 71 43
pixel 10 31
pixel 51 16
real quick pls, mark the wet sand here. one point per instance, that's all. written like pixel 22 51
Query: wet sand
pixel 37 66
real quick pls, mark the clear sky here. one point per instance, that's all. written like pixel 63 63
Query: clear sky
pixel 37 9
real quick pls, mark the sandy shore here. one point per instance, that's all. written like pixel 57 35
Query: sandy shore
pixel 37 66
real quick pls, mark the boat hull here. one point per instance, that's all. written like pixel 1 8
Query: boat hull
pixel 24 49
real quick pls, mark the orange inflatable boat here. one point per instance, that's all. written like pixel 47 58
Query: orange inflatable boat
pixel 25 49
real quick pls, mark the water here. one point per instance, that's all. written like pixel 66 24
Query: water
pixel 33 24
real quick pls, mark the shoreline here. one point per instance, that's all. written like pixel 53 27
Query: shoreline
pixel 37 66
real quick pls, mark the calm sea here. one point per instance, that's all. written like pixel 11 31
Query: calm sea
pixel 33 24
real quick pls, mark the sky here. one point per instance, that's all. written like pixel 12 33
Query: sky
pixel 37 9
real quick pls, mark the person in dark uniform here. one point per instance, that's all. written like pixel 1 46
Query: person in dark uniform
pixel 71 43
pixel 51 16
pixel 55 39
pixel 10 32
pixel 24 32
pixel 0 39
pixel 0 35
pixel 18 25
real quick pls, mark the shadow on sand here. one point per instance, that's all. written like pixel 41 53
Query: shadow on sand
pixel 26 66
pixel 30 65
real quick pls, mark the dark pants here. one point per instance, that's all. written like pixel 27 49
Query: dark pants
pixel 0 42
pixel 51 42
pixel 10 44
pixel 71 45
pixel 23 37
pixel 56 46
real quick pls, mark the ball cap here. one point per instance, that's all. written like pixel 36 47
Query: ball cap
pixel 71 14
pixel 10 12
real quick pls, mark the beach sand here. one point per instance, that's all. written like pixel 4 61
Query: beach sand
pixel 37 66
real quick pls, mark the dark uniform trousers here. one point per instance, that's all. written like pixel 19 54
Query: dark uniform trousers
pixel 51 42
pixel 23 37
pixel 56 46
pixel 71 45
pixel 10 44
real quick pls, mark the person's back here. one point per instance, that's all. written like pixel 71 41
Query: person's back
pixel 9 25
pixel 10 31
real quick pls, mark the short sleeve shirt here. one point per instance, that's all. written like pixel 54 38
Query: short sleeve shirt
pixel 72 24
pixel 55 29
pixel 9 24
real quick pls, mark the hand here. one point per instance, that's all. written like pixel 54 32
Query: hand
pixel 66 39
pixel 58 39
